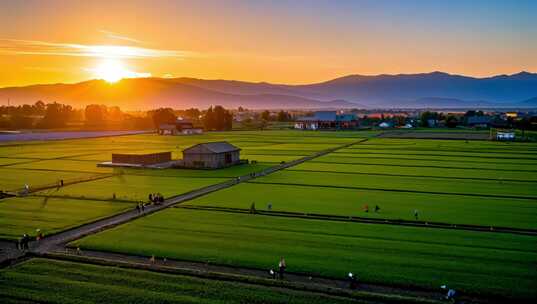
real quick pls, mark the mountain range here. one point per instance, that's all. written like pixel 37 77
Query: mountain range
pixel 427 90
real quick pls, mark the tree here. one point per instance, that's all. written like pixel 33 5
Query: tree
pixel 452 121
pixel 193 114
pixel 426 116
pixel 209 120
pixel 56 115
pixel 39 108
pixel 162 116
pixel 95 114
pixel 114 114
pixel 265 115
pixel 218 119
pixel 20 121
pixel 283 116
pixel 223 119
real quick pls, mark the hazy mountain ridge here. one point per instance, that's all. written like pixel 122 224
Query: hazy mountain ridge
pixel 146 93
pixel 434 89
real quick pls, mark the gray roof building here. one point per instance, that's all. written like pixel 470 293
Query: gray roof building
pixel 212 147
pixel 211 155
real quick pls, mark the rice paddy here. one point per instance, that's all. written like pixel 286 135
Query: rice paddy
pixel 455 182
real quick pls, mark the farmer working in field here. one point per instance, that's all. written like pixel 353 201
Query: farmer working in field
pixel 282 266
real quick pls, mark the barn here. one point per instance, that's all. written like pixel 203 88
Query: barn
pixel 158 160
pixel 212 155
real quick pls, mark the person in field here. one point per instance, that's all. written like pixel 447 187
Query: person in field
pixel 416 215
pixel 366 208
pixel 143 206
pixel 138 208
pixel 20 243
pixel 282 267
pixel 252 208
pixel 269 206
pixel 39 235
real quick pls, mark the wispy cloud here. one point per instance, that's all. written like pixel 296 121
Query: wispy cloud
pixel 34 47
pixel 117 36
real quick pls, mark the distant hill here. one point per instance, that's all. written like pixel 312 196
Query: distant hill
pixel 146 93
pixel 435 90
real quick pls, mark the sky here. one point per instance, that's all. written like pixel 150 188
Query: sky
pixel 273 41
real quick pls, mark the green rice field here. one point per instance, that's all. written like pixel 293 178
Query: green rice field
pixel 26 214
pixel 43 164
pixel 457 182
pixel 66 282
pixel 377 253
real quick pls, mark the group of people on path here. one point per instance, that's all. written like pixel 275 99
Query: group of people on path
pixel 140 207
pixel 156 198
pixel 281 269
pixel 24 241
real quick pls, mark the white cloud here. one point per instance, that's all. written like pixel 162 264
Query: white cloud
pixel 116 36
pixel 33 47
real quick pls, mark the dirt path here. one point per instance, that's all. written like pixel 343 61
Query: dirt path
pixel 368 220
pixel 212 271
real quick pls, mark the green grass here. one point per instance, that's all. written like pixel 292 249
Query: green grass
pixel 476 262
pixel 134 187
pixel 83 155
pixel 26 214
pixel 417 183
pixel 474 182
pixel 52 281
pixel 394 205
pixel 15 179
pixel 380 169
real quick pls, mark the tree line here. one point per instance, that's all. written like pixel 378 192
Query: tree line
pixel 96 116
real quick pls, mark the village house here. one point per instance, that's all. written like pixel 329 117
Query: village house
pixel 179 127
pixel 211 155
pixel 327 120
pixel 505 135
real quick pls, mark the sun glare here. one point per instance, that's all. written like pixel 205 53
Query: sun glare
pixel 111 71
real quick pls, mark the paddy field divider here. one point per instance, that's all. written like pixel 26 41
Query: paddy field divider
pixel 365 220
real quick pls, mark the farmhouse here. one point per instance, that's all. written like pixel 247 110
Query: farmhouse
pixel 505 135
pixel 152 160
pixel 211 155
pixel 180 126
pixel 327 120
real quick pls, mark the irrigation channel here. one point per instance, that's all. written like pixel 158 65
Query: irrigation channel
pixel 54 247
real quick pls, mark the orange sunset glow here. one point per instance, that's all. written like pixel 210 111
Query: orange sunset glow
pixel 293 42
pixel 268 151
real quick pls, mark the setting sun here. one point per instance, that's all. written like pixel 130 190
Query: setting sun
pixel 111 71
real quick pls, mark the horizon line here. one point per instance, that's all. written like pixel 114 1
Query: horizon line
pixel 164 77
